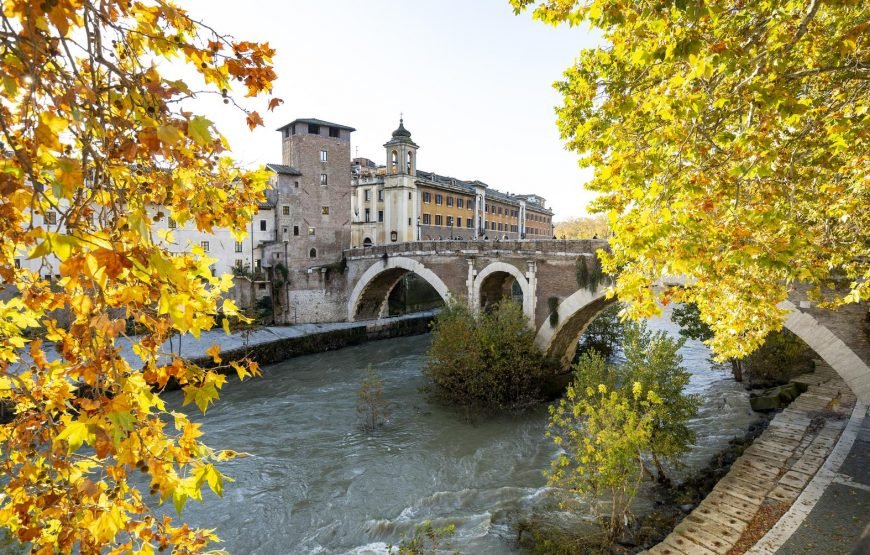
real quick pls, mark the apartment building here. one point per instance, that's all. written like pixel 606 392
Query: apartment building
pixel 398 202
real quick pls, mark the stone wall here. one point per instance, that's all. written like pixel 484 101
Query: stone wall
pixel 283 349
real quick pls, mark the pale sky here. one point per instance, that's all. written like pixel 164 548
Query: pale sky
pixel 473 80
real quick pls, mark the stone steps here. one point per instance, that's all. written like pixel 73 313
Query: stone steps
pixel 771 472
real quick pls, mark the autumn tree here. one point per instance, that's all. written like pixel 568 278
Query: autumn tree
pixel 616 417
pixel 582 228
pixel 729 142
pixel 95 132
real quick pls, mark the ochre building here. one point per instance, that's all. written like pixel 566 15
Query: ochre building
pixel 398 202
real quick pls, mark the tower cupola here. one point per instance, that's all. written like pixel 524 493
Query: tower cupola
pixel 401 152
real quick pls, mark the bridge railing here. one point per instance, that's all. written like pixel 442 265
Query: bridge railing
pixel 548 246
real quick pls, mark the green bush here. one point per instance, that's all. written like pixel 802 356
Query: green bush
pixel 613 418
pixel 604 333
pixel 485 362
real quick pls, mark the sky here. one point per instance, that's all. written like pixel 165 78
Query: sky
pixel 473 80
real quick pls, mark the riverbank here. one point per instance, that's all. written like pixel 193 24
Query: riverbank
pixel 771 474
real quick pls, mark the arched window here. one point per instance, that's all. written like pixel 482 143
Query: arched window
pixel 367 242
pixel 394 162
pixel 312 253
pixel 410 166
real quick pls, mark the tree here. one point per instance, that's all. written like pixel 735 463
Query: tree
pixel 688 317
pixel 615 417
pixel 485 361
pixel 371 405
pixel 604 333
pixel 652 359
pixel 604 434
pixel 729 142
pixel 93 132
pixel 582 228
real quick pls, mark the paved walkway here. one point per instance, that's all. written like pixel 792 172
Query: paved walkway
pixel 841 516
pixel 803 487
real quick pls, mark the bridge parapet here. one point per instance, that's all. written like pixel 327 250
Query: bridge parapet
pixel 549 247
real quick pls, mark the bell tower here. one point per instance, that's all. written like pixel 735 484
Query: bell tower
pixel 401 152
pixel 401 202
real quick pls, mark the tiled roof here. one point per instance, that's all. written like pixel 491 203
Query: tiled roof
pixel 284 170
pixel 469 186
pixel 315 121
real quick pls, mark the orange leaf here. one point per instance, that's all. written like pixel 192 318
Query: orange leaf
pixel 213 353
pixel 254 120
pixel 274 103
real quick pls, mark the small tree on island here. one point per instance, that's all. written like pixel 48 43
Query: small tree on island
pixel 615 418
pixel 371 405
pixel 489 361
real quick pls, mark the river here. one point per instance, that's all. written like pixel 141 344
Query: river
pixel 315 483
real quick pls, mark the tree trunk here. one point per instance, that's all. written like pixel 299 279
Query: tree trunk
pixel 662 475
pixel 737 369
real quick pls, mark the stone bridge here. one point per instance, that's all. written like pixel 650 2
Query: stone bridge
pixel 482 273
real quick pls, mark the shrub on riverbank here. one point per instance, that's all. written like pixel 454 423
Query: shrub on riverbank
pixel 488 361
pixel 614 418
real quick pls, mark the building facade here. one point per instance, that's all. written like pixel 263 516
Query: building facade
pixel 320 203
pixel 397 202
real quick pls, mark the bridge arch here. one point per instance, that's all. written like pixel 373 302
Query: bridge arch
pixel 578 310
pixel 494 278
pixel 368 300
pixel 574 314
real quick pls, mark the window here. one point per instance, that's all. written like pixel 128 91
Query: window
pixel 368 215
pixel 335 132
pixel 437 219
pixel 313 129
pixel 499 227
pixel 323 179
pixel 439 199
pixel 368 195
pixel 262 225
pixel 460 203
pixel 380 215
pixel 257 265
pixel 499 210
pixel 427 219
pixel 312 253
pixel 295 184
pixel 172 224
pixel 410 156
pixel 394 162
pixel 491 225
pixel 324 210
pixel 239 263
pixel 204 245
pixel 285 210
pixel 311 231
pixel 261 286
pixel 295 231
pixel 381 194
pixel 449 221
pixel 427 197
pixel 284 231
pixel 324 156
pixel 409 195
pixel 238 246
pixel 469 205
pixel 469 223
pixel 51 217
pixel 449 201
